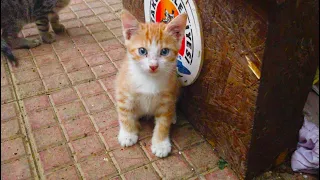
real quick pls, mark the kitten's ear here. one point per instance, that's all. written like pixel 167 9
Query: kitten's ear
pixel 129 24
pixel 177 26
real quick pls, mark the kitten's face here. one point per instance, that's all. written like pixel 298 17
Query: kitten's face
pixel 153 47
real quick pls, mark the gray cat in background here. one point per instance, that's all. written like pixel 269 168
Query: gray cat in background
pixel 17 13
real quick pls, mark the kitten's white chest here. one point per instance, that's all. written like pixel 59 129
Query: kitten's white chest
pixel 147 104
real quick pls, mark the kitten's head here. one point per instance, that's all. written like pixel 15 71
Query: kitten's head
pixel 153 47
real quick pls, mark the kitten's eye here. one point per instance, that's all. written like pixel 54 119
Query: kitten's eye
pixel 164 52
pixel 142 51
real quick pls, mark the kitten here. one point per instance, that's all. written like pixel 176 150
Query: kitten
pixel 16 13
pixel 147 83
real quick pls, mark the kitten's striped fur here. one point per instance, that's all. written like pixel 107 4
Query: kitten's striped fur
pixel 16 13
pixel 141 90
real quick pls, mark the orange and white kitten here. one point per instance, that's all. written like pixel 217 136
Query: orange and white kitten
pixel 147 83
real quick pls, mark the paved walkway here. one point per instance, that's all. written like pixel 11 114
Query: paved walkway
pixel 58 119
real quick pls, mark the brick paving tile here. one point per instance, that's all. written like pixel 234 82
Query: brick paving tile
pixel 173 167
pixel 51 69
pixel 41 118
pixel 129 158
pixel 103 35
pixel 63 42
pixel 24 63
pixel 70 110
pixel 97 167
pixel 106 119
pixel 78 7
pixel 90 49
pixel 114 24
pixel 66 173
pixel 98 103
pixel 34 103
pixel 110 2
pixel 7 94
pixel 11 110
pixel 226 174
pixel 54 157
pixel 100 10
pixel 82 75
pixel 117 54
pixel 72 24
pixel 9 129
pixel 18 169
pixel 108 82
pixel 202 157
pixel 68 54
pixel 104 70
pixel 48 136
pixel 111 138
pixel 145 172
pixel 12 149
pixel 74 64
pixel 20 53
pixel 95 4
pixel 64 96
pixel 185 136
pixel 56 82
pixel 79 127
pixel 108 17
pixel 26 76
pixel 117 31
pixel 97 59
pixel 90 88
pixel 94 28
pixel 30 89
pixel 46 59
pixel 84 13
pixel 89 145
pixel 147 126
pixel 77 31
pixel 67 16
pixel 81 40
pixel 42 50
pixel 112 44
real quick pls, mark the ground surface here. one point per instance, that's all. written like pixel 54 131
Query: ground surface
pixel 58 118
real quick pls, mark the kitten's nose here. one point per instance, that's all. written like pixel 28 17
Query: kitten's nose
pixel 153 68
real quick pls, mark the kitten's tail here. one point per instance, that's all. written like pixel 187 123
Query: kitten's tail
pixel 6 50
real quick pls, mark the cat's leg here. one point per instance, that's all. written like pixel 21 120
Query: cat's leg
pixel 164 117
pixel 10 34
pixel 129 123
pixel 42 23
pixel 55 23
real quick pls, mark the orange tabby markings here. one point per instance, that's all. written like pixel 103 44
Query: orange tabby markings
pixel 147 83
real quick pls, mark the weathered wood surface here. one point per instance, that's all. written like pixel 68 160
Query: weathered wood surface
pixel 251 121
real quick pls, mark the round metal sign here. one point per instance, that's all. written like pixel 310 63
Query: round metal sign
pixel 189 60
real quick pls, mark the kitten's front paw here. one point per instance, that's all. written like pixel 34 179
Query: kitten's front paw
pixel 59 28
pixel 161 149
pixel 127 139
pixel 48 38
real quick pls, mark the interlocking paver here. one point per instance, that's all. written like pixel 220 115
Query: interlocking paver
pixel 90 88
pixel 106 119
pixel 12 149
pixel 48 136
pixel 9 110
pixel 98 167
pixel 144 172
pixel 41 118
pixel 66 173
pixel 97 59
pixel 129 158
pixel 54 157
pixel 173 167
pixel 37 102
pixel 185 136
pixel 9 129
pixel 202 157
pixel 104 70
pixel 221 174
pixel 79 127
pixel 18 169
pixel 66 95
